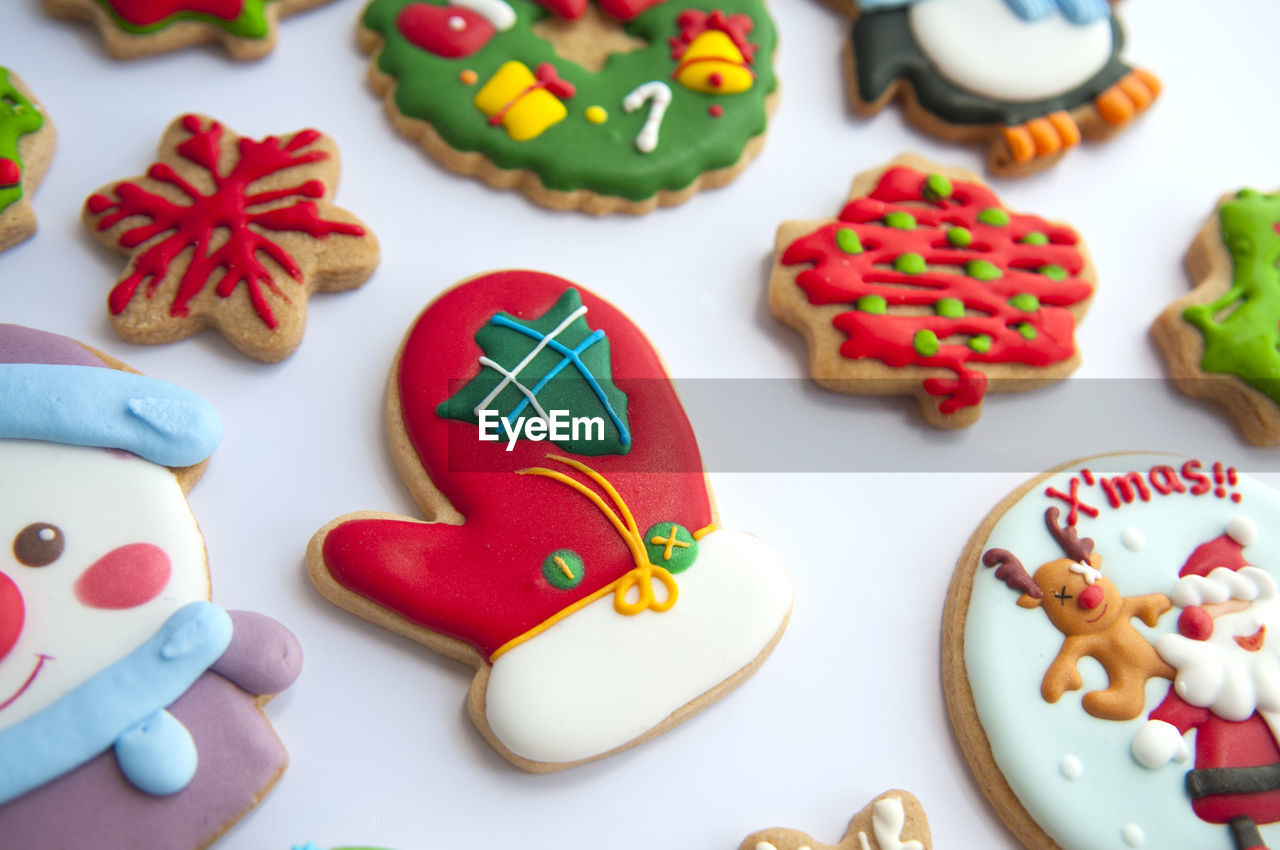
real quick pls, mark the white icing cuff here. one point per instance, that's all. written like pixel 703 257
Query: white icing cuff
pixel 1157 743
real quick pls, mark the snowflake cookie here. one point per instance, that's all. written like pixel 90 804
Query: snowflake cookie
pixel 925 284
pixel 1101 614
pixel 1028 78
pixel 130 705
pixel 572 552
pixel 229 232
pixel 1222 340
pixel 26 145
pixel 134 28
pixel 894 821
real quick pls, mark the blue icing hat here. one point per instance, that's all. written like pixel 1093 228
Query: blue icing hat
pixel 54 389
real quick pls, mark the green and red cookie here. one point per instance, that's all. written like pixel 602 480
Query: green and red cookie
pixel 27 140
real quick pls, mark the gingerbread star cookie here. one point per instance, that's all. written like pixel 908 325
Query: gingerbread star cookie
pixel 894 821
pixel 232 233
pixel 26 145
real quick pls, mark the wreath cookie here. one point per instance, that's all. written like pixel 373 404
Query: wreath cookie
pixel 656 100
pixel 1222 340
pixel 134 28
pixel 1029 78
pixel 925 284
pixel 27 140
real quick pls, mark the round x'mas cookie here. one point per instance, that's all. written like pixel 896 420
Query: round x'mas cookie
pixel 1028 78
pixel 572 552
pixel 133 28
pixel 229 232
pixel 613 105
pixel 130 705
pixel 26 145
pixel 925 284
pixel 894 821
pixel 1110 656
pixel 1222 338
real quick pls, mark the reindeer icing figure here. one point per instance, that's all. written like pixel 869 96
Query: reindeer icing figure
pixel 129 703
pixel 1095 620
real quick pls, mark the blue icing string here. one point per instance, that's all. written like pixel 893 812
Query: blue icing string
pixel 122 706
pixel 108 408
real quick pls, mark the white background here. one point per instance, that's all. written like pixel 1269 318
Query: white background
pixel 850 703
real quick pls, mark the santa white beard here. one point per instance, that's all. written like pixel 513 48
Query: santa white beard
pixel 1222 676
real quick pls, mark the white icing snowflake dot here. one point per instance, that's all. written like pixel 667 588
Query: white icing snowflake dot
pixel 1133 539
pixel 1133 835
pixel 1071 767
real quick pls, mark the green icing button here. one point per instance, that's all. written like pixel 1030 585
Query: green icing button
pixel 925 343
pixel 1027 330
pixel 871 304
pixel 983 270
pixel 563 569
pixel 900 220
pixel 951 308
pixel 1035 237
pixel 671 546
pixel 1054 272
pixel 961 237
pixel 994 216
pixel 848 241
pixel 1025 301
pixel 936 187
pixel 910 264
pixel 980 343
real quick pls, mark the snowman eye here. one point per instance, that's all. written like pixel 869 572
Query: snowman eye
pixel 39 544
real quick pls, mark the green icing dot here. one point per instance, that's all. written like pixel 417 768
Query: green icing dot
pixel 1054 272
pixel 1035 237
pixel 925 343
pixel 909 264
pixel 983 270
pixel 871 304
pixel 671 546
pixel 848 241
pixel 951 308
pixel 1027 331
pixel 563 569
pixel 980 343
pixel 900 220
pixel 936 187
pixel 960 237
pixel 994 216
pixel 1025 301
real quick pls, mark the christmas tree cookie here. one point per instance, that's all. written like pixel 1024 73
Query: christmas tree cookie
pixel 134 28
pixel 1027 78
pixel 130 705
pixel 231 233
pixel 571 552
pixel 1222 339
pixel 894 821
pixel 605 106
pixel 925 284
pixel 26 145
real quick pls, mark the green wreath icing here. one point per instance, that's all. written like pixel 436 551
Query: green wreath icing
pixel 18 117
pixel 699 132
pixel 251 22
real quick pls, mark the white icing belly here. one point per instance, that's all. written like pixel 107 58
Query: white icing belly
pixel 982 46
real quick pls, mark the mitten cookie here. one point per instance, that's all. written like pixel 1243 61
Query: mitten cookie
pixel 26 145
pixel 232 233
pixel 614 105
pixel 1222 339
pixel 572 553
pixel 1098 615
pixel 130 705
pixel 1027 78
pixel 926 285
pixel 894 821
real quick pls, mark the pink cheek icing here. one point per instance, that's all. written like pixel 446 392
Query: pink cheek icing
pixel 12 613
pixel 125 577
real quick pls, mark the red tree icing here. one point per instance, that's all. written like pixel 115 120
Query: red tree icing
pixel 694 23
pixel 229 208
pixel 147 12
pixel 989 329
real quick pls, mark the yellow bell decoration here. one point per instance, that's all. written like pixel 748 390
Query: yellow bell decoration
pixel 524 103
pixel 713 64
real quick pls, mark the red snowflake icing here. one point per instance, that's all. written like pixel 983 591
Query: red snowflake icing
pixel 229 208
pixel 999 284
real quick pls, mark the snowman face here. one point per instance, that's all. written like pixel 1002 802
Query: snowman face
pixel 97 549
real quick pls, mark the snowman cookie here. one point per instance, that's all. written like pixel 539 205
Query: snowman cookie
pixel 1027 78
pixel 134 28
pixel 130 705
pixel 572 553
pixel 894 821
pixel 26 145
pixel 607 105
pixel 1111 656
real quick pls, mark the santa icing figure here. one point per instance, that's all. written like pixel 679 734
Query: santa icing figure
pixel 1227 657
pixel 129 704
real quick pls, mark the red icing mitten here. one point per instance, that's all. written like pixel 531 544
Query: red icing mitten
pixel 584 574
